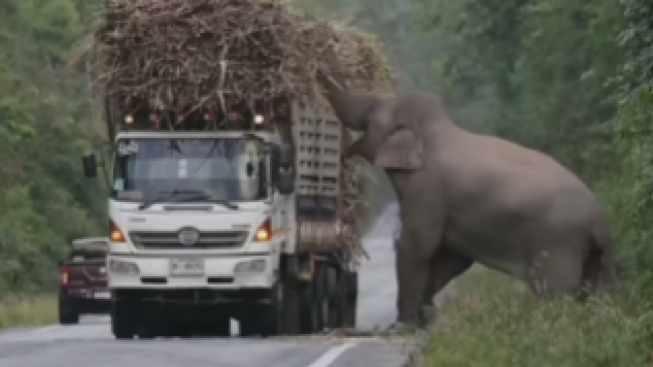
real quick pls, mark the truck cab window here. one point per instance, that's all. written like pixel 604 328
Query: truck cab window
pixel 215 165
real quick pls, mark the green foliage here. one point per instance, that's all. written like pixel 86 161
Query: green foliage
pixel 22 311
pixel 46 125
pixel 507 327
pixel 636 97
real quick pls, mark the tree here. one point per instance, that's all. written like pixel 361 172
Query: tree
pixel 46 126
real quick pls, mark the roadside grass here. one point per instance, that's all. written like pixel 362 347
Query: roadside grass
pixel 493 321
pixel 28 310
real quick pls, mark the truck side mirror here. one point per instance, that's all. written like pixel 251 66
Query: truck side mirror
pixel 286 155
pixel 89 164
pixel 286 182
pixel 272 150
pixel 286 170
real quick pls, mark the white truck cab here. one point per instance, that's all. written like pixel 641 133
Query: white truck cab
pixel 230 222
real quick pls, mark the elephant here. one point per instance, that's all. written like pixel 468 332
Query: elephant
pixel 468 198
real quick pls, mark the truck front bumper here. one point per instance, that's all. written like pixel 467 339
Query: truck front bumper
pixel 141 272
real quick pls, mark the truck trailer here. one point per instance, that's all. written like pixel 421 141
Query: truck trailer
pixel 218 215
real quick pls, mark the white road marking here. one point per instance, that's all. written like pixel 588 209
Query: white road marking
pixel 331 355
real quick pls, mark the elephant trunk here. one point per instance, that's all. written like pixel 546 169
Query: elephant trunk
pixel 352 108
pixel 361 148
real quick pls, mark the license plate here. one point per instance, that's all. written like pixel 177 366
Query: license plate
pixel 102 295
pixel 186 267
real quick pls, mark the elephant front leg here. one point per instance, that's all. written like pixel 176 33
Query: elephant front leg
pixel 422 218
pixel 412 280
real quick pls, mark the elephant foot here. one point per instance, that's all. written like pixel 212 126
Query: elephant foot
pixel 427 315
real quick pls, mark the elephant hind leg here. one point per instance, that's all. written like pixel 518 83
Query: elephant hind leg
pixel 445 266
pixel 599 273
pixel 556 273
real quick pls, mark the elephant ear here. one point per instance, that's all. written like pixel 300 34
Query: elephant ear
pixel 401 149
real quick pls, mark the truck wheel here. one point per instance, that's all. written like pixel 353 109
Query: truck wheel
pixel 310 310
pixel 123 319
pixel 68 315
pixel 314 303
pixel 334 298
pixel 350 304
pixel 322 298
pixel 283 310
pixel 279 317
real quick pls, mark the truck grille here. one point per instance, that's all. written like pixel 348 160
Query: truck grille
pixel 170 240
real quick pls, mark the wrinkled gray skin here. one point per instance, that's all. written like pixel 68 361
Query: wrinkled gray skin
pixel 467 198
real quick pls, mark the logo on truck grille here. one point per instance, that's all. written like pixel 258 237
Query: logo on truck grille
pixel 188 236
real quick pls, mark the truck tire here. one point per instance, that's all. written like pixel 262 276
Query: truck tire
pixel 323 297
pixel 339 302
pixel 309 312
pixel 124 319
pixel 334 284
pixel 68 315
pixel 279 317
pixel 314 303
pixel 283 311
pixel 350 304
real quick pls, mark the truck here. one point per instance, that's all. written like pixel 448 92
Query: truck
pixel 83 283
pixel 220 214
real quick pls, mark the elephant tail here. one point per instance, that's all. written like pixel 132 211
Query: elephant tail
pixel 600 268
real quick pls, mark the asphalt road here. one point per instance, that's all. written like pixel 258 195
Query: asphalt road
pixel 91 343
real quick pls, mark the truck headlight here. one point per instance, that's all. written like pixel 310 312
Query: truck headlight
pixel 123 267
pixel 250 267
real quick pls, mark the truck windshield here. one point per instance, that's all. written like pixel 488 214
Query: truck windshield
pixel 227 168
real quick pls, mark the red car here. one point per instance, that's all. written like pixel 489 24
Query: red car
pixel 83 285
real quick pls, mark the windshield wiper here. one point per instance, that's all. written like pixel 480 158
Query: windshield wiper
pixel 188 196
pixel 209 199
pixel 168 195
pixel 254 137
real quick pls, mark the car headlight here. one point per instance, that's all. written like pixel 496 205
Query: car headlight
pixel 123 267
pixel 251 267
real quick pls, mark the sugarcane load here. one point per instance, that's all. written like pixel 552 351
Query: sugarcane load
pixel 230 193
